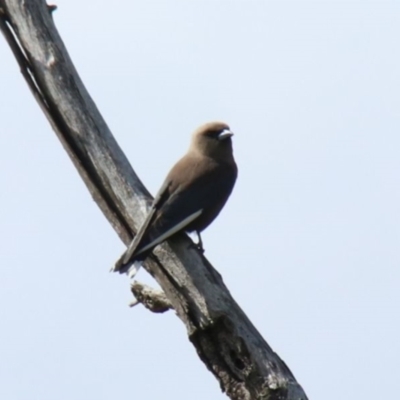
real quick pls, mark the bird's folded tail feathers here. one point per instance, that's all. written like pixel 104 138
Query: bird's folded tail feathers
pixel 127 258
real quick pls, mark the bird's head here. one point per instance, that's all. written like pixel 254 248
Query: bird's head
pixel 213 140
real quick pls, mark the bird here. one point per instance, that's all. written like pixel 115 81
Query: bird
pixel 192 195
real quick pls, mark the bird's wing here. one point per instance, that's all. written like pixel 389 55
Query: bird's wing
pixel 191 193
pixel 198 188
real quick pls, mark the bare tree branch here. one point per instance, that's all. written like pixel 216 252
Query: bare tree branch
pixel 225 339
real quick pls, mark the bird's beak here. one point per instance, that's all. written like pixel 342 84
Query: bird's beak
pixel 225 134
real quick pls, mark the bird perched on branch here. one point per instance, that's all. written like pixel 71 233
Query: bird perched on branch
pixel 192 195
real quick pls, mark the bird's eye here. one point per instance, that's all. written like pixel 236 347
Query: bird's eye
pixel 215 133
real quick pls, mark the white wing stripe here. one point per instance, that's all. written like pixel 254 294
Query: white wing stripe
pixel 170 232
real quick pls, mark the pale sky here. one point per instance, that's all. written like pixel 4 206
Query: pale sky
pixel 308 243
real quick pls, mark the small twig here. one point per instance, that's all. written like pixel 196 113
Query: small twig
pixel 154 300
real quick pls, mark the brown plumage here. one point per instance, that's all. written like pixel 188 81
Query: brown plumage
pixel 192 195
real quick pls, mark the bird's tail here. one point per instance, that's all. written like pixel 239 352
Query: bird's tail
pixel 129 263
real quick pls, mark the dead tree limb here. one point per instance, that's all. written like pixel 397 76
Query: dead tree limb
pixel 225 339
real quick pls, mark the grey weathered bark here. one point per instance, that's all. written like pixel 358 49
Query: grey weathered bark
pixel 223 336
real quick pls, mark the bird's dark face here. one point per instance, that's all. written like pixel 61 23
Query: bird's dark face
pixel 213 140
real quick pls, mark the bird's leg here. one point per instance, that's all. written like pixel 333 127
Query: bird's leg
pixel 200 242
